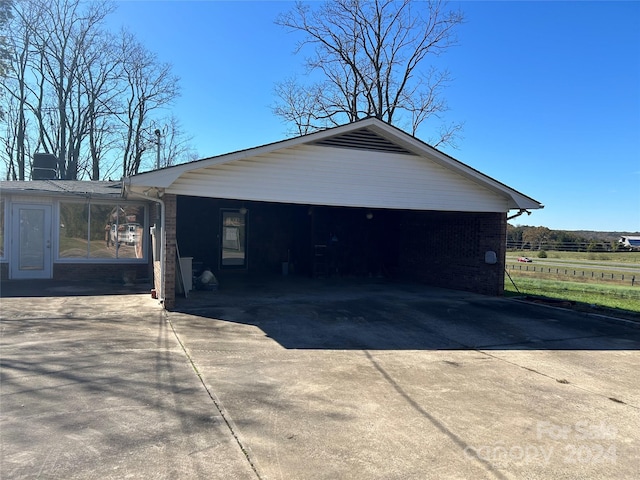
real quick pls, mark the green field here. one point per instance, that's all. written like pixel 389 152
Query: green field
pixel 579 257
pixel 590 293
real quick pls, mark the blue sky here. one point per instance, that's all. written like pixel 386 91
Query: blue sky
pixel 549 93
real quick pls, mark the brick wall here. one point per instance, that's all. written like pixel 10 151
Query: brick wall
pixel 111 273
pixel 170 206
pixel 448 249
pixel 93 272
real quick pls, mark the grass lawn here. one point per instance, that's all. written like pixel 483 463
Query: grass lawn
pixel 599 298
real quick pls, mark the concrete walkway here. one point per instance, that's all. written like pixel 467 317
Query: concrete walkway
pixel 315 380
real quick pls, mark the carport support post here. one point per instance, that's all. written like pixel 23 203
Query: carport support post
pixel 169 287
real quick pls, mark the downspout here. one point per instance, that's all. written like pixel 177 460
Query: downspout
pixel 163 239
pixel 522 210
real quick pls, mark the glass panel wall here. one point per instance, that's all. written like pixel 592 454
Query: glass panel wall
pixel 74 230
pixel 102 231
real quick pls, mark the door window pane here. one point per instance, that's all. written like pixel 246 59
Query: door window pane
pixel 233 239
pixel 31 239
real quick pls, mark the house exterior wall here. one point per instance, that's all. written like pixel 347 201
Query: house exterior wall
pixel 275 232
pixel 320 175
pixel 448 250
pixel 89 267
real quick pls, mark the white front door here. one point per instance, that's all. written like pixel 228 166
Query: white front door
pixel 31 241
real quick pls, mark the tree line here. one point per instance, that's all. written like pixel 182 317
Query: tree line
pixel 95 99
pixel 523 237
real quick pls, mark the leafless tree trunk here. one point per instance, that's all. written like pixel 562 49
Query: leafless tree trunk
pixel 150 86
pixel 73 28
pixel 18 46
pixel 6 14
pixel 373 58
pixel 175 146
pixel 102 88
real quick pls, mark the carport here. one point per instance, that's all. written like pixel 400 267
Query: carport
pixel 359 200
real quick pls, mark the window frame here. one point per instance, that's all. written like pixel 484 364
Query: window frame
pixel 4 256
pixel 244 242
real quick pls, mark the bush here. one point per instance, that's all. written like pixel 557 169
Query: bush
pixel 542 254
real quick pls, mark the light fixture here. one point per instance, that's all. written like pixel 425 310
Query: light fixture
pixel 243 211
pixel 369 215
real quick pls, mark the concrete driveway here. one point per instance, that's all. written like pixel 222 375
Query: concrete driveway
pixel 95 385
pixel 315 380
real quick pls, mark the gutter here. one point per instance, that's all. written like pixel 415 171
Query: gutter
pixel 126 193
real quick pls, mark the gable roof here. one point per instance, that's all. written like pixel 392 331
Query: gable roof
pixel 355 162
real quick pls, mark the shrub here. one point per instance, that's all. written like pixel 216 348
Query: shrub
pixel 542 254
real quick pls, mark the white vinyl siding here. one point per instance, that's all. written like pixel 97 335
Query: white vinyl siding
pixel 320 175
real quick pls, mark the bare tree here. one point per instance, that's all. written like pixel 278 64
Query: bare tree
pixel 175 146
pixel 150 86
pixel 74 90
pixel 70 30
pixel 13 140
pixel 372 56
pixel 102 87
pixel 16 92
pixel 6 13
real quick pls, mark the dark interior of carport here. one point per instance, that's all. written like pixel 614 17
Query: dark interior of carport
pixel 445 249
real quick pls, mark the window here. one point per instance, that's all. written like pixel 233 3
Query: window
pixel 234 239
pixel 101 231
pixel 74 230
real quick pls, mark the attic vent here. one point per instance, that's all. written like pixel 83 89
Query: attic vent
pixel 363 139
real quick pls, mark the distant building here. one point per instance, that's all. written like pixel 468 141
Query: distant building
pixel 630 243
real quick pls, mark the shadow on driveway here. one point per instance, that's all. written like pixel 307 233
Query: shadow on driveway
pixel 374 314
